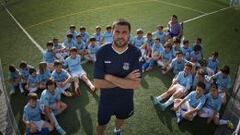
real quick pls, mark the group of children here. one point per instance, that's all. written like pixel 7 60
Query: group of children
pixel 61 67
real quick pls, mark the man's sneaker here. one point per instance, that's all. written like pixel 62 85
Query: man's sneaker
pixel 60 130
pixel 230 125
pixel 154 100
pixel 162 106
pixel 118 133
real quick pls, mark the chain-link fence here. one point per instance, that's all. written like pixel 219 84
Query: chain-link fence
pixel 8 125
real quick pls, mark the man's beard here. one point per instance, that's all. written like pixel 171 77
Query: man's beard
pixel 121 43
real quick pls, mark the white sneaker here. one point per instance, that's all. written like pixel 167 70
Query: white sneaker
pixel 12 91
pixel 21 89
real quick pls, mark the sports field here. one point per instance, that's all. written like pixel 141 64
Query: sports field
pixel 211 20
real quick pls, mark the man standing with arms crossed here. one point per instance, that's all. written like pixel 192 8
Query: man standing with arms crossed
pixel 117 72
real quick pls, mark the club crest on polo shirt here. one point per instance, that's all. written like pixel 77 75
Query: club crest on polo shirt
pixel 125 66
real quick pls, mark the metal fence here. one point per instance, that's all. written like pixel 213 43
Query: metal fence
pixel 8 125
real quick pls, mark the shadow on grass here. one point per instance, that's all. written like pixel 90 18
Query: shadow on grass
pixel 197 127
pixel 156 72
pixel 18 101
pixel 77 116
pixel 165 117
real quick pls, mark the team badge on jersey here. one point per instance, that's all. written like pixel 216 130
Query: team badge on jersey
pixel 125 66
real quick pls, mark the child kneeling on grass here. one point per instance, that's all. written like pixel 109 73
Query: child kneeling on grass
pixel 51 104
pixel 32 117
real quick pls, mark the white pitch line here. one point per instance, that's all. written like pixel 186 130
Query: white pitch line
pixel 206 14
pixel 180 6
pixel 21 27
pixel 186 21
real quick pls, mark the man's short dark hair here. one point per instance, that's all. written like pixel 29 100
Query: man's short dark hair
pixel 121 22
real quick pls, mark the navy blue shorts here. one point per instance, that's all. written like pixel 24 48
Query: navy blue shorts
pixel 122 109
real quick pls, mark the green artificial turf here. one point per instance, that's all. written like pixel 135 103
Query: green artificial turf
pixel 48 18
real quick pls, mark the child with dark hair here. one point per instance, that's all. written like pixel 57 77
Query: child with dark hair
pixel 15 79
pixel 32 83
pixel 24 72
pixel 213 62
pixel 189 106
pixel 51 104
pixel 49 55
pixel 92 49
pixel 186 50
pixel 107 35
pixel 212 107
pixel 223 81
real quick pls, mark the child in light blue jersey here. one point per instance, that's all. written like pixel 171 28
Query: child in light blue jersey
pixel 92 49
pixel 32 117
pixel 73 62
pixel 180 86
pixel 15 79
pixel 160 34
pixel 62 78
pixel 72 30
pixel 189 106
pixel 166 56
pixel 203 65
pixel 32 83
pixel 223 81
pixel 98 35
pixel 24 71
pixel 157 46
pixel 177 64
pixel 198 42
pixel 176 46
pixel 156 52
pixel 59 49
pixel 149 41
pixel 196 55
pixel 107 36
pixel 84 34
pixel 201 77
pixel 186 50
pixel 51 104
pixel 81 46
pixel 213 62
pixel 212 107
pixel 43 75
pixel 69 42
pixel 138 40
pixel 49 55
